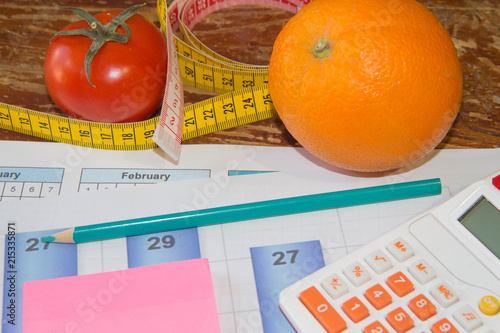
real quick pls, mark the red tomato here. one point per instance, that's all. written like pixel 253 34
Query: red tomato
pixel 129 78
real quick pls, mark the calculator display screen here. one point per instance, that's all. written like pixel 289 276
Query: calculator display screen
pixel 483 221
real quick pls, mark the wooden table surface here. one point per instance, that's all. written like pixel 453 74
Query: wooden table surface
pixel 247 34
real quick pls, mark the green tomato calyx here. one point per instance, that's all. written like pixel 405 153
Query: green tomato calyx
pixel 322 48
pixel 99 33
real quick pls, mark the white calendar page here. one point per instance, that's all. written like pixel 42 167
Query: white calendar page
pixel 250 261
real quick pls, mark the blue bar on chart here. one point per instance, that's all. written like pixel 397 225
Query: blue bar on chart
pixel 276 267
pixel 245 172
pixel 93 178
pixel 24 182
pixel 28 259
pixel 161 248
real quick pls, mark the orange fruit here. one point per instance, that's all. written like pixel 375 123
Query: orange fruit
pixel 366 85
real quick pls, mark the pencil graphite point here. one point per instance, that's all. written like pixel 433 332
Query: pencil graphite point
pixel 48 239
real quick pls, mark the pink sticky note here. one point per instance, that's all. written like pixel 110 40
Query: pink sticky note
pixel 173 297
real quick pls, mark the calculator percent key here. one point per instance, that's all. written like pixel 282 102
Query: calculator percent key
pixel 356 274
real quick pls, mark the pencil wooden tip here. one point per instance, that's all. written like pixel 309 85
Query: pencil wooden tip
pixel 65 236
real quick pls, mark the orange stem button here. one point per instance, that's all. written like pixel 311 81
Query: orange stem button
pixel 422 307
pixel 444 326
pixel 355 309
pixel 319 307
pixel 400 320
pixel 375 327
pixel 378 297
pixel 400 284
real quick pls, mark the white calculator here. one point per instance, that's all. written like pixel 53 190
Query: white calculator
pixel 439 272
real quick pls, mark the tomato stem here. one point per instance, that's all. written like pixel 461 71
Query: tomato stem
pixel 322 48
pixel 98 28
pixel 99 33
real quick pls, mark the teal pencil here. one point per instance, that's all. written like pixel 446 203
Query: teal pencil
pixel 247 211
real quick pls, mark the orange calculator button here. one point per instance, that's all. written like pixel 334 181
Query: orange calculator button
pixel 444 326
pixel 331 321
pixel 378 297
pixel 400 284
pixel 375 327
pixel 355 309
pixel 400 320
pixel 422 307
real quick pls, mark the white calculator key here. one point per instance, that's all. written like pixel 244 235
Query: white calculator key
pixel 400 249
pixel 357 274
pixel 378 261
pixel 444 294
pixel 467 318
pixel 335 286
pixel 422 271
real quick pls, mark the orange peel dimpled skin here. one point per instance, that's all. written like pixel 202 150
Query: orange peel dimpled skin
pixel 366 85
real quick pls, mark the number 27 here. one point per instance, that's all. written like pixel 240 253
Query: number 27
pixel 281 257
pixel 34 245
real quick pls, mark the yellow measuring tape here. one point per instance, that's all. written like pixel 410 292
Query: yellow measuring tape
pixel 244 93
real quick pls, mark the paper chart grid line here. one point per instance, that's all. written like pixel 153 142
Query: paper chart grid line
pixel 229 277
pixel 342 232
